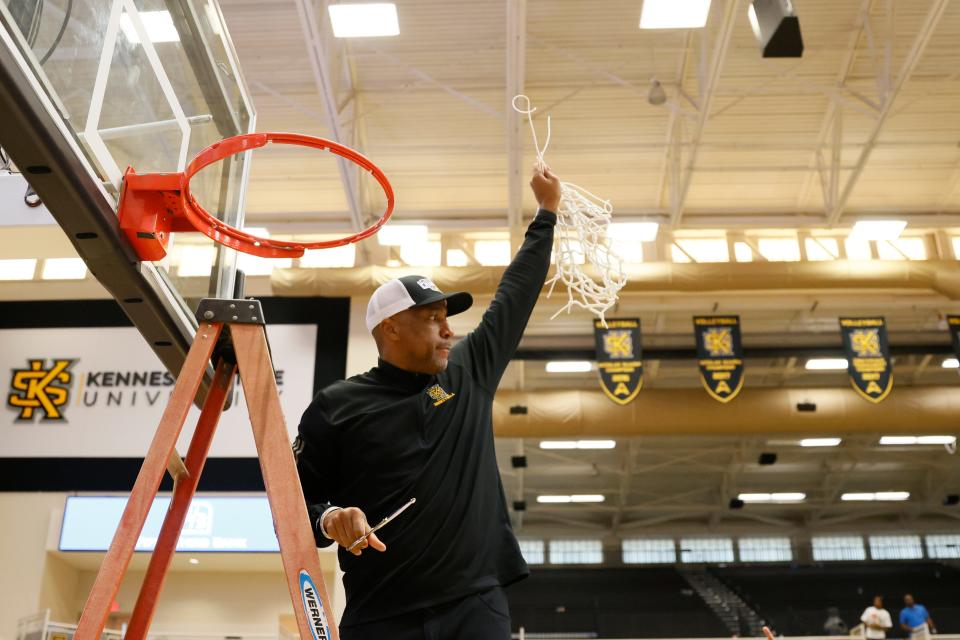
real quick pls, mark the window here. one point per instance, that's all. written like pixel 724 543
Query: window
pixel 943 546
pixel 492 253
pixel 902 249
pixel 252 265
pixel 838 548
pixel 457 258
pixel 195 260
pixel 576 552
pixel 858 249
pixel 706 550
pixel 344 256
pixel 819 249
pixel 628 250
pixel 955 241
pixel 649 551
pixel 532 551
pixel 779 249
pixel 422 254
pixel 765 550
pixel 701 250
pixel 895 548
pixel 742 252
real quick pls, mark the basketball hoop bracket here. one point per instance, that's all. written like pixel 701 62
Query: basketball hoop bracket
pixel 154 205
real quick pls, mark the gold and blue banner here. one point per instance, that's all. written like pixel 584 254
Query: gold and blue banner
pixel 619 358
pixel 953 324
pixel 868 356
pixel 719 355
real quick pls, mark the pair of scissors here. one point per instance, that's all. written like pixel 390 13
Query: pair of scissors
pixel 381 523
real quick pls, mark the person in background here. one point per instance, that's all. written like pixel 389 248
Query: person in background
pixel 876 619
pixel 915 619
pixel 834 624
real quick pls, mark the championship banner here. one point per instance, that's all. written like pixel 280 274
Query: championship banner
pixel 619 358
pixel 868 356
pixel 719 355
pixel 953 323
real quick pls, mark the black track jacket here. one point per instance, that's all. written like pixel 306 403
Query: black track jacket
pixel 377 439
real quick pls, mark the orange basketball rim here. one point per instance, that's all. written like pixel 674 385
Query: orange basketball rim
pixel 152 205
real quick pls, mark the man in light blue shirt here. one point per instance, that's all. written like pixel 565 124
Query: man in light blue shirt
pixel 915 619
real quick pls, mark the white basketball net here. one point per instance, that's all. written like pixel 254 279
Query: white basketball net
pixel 580 240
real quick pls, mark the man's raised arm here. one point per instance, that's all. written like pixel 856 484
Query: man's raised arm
pixel 488 349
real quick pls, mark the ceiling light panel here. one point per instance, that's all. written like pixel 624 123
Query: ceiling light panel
pixel 367 20
pixel 826 364
pixel 18 269
pixel 878 229
pixel 569 366
pixel 821 442
pixel 674 14
pixel 158 25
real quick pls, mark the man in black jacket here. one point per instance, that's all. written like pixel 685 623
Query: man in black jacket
pixel 419 425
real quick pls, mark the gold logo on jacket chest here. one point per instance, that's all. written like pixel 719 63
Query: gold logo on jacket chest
pixel 438 395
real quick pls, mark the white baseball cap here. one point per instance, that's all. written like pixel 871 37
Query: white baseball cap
pixel 411 291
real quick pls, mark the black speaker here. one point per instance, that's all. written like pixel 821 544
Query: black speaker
pixel 767 458
pixel 518 462
pixel 519 505
pixel 777 28
pixel 951 500
pixel 736 503
pixel 806 407
pixel 518 410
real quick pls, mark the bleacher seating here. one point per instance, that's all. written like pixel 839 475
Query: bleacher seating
pixel 613 603
pixel 658 603
pixel 794 599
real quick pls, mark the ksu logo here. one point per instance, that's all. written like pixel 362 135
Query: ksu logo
pixel 438 395
pixel 866 343
pixel 719 342
pixel 618 345
pixel 38 390
pixel 427 283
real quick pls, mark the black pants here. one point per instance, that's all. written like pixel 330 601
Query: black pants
pixel 482 616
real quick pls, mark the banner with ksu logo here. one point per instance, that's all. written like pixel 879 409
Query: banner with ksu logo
pixel 100 392
pixel 868 356
pixel 719 355
pixel 619 359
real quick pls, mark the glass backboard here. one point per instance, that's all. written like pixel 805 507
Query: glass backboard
pixel 91 87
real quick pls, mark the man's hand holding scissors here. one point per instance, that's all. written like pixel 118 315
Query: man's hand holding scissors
pixel 349 528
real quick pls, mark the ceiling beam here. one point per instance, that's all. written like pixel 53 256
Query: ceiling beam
pixel 846 66
pixel 492 219
pixel 708 88
pixel 913 57
pixel 516 29
pixel 840 412
pixel 320 64
pixel 673 145
pixel 888 278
